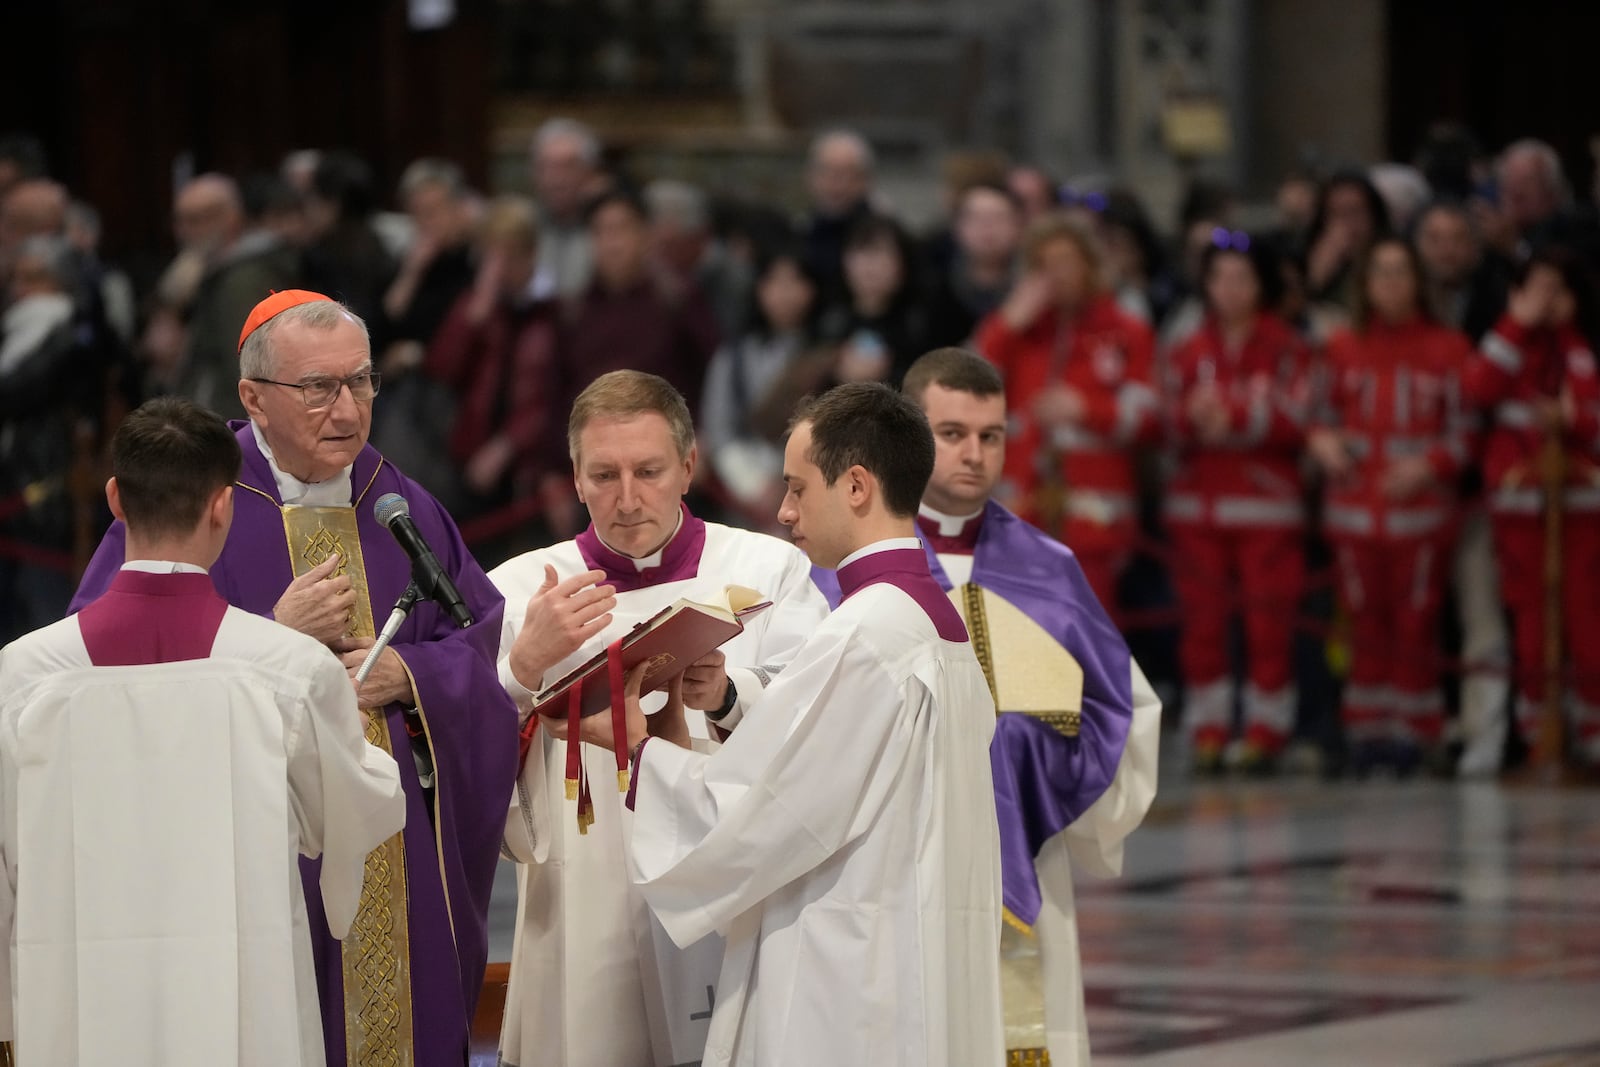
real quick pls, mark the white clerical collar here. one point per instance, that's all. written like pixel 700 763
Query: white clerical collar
pixel 332 493
pixel 163 566
pixel 643 563
pixel 889 544
pixel 949 525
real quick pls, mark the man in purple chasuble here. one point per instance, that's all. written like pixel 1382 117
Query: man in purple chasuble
pixel 1068 789
pixel 306 550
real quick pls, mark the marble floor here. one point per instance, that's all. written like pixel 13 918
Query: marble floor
pixel 1295 922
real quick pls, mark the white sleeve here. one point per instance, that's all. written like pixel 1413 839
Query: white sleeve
pixel 528 821
pixel 1094 839
pixel 714 834
pixel 346 792
pixel 798 608
pixel 511 625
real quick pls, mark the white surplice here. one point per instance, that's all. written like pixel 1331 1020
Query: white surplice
pixel 594 981
pixel 152 819
pixel 844 842
pixel 1092 844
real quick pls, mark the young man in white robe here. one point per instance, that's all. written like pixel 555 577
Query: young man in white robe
pixel 843 840
pixel 1076 808
pixel 164 761
pixel 585 947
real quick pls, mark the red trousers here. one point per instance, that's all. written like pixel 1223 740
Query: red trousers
pixel 1519 542
pixel 1392 592
pixel 1257 574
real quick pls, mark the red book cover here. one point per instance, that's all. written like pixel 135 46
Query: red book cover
pixel 670 640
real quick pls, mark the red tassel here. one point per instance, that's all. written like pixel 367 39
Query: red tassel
pixel 619 711
pixel 574 746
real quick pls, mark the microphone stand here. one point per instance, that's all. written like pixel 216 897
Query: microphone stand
pixel 402 608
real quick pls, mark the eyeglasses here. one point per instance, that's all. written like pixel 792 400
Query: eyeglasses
pixel 1233 240
pixel 320 392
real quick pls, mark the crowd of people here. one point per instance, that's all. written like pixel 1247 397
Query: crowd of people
pixel 1225 423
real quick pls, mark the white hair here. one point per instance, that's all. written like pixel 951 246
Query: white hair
pixel 1404 191
pixel 677 202
pixel 843 135
pixel 430 171
pixel 255 356
pixel 1549 165
pixel 564 128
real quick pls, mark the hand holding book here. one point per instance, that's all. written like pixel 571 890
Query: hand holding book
pixel 669 642
pixel 600 730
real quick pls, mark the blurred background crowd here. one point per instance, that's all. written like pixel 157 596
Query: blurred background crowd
pixel 1305 427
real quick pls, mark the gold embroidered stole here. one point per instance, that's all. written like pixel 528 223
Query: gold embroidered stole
pixel 1027 671
pixel 377 952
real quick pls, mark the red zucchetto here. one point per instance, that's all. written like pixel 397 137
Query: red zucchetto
pixel 276 304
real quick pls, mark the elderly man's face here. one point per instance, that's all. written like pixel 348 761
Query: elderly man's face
pixel 312 444
pixel 838 176
pixel 1526 192
pixel 204 217
pixel 561 176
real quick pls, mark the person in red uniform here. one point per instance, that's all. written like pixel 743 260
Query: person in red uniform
pixel 1393 437
pixel 1535 373
pixel 1238 401
pixel 1079 377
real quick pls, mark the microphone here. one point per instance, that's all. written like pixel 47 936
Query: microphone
pixel 393 512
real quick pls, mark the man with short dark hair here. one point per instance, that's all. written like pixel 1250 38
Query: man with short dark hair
pixel 164 760
pixel 1074 755
pixel 843 839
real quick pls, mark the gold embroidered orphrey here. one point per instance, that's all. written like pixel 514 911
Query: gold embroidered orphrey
pixel 377 951
pixel 1027 670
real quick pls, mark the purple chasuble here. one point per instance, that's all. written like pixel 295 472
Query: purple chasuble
pixel 680 559
pixel 1042 780
pixel 452 839
pixel 907 570
pixel 152 618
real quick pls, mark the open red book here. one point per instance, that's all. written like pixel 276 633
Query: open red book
pixel 670 640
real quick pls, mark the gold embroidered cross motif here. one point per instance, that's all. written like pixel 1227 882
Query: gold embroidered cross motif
pixel 376 954
pixel 323 543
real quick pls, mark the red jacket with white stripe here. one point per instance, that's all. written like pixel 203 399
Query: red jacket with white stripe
pixel 1250 479
pixel 1396 391
pixel 1513 372
pixel 1108 356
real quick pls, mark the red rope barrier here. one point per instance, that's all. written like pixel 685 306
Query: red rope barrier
pixel 35 556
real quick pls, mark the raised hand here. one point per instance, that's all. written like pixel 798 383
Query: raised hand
pixel 1029 297
pixel 1328 450
pixel 561 616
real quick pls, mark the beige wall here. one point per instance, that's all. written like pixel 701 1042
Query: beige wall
pixel 1318 80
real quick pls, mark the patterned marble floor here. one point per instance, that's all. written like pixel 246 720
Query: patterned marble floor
pixel 1295 922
